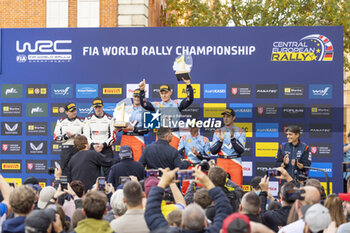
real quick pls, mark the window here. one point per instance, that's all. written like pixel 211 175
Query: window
pixel 88 13
pixel 56 13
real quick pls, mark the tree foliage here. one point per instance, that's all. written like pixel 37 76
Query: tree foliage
pixel 261 13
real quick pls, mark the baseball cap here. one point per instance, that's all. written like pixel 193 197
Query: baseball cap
pixel 229 111
pixel 31 180
pixel 344 196
pixel 70 107
pixel 136 92
pixel 125 152
pixel 236 223
pixel 45 195
pixel 40 220
pixel 97 102
pixel 317 217
pixel 164 88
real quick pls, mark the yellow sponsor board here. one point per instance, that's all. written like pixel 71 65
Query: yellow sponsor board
pixel 55 110
pixel 246 188
pixel 55 146
pixel 116 147
pixel 293 57
pixel 18 181
pixel 11 166
pixel 43 91
pixel 287 90
pixel 266 149
pixel 6 108
pixel 42 184
pixel 30 127
pixel 181 91
pixel 30 91
pixel 111 91
pixel 213 109
pixel 324 184
pixel 248 128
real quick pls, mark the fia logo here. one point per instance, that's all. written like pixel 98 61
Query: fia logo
pixel 151 120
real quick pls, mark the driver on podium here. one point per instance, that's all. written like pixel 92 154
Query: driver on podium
pixel 169 109
pixel 133 133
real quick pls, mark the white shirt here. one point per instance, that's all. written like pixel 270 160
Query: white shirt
pixel 294 227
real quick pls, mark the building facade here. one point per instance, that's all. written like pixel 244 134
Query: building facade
pixel 80 13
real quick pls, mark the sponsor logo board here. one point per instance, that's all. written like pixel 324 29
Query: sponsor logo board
pixel 266 91
pixel 112 90
pixel 11 147
pixel 87 91
pixel 214 91
pixel 36 147
pixel 293 91
pixel 130 88
pixel 321 149
pixel 293 110
pixel 36 128
pixel 242 110
pixel 181 91
pixel 11 91
pixel 36 166
pixel 266 130
pixel 320 91
pixel 62 91
pixel 266 110
pixel 241 91
pixel 11 128
pixel 213 109
pixel 11 166
pixel 11 109
pixel 266 149
pixel 36 110
pixel 327 167
pixel 247 127
pixel 37 90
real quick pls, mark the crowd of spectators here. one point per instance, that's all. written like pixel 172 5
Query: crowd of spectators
pixel 212 203
pixel 154 202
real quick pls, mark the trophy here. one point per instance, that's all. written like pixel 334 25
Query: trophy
pixel 122 113
pixel 182 67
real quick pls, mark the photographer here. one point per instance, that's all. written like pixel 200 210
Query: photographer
pixel 233 192
pixel 276 218
pixel 193 218
pixel 126 167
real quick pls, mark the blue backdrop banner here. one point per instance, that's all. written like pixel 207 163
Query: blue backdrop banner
pixel 271 76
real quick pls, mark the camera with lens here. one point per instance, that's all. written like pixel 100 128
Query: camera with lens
pixel 51 170
pixel 204 165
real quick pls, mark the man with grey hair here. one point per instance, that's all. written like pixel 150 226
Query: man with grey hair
pixel 250 206
pixel 133 195
pixel 193 218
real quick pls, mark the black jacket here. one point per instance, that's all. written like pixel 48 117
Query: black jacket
pixel 161 155
pixel 301 152
pixel 86 165
pixel 126 167
pixel 273 218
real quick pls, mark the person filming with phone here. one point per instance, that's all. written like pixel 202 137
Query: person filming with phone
pixel 126 167
pixel 294 155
